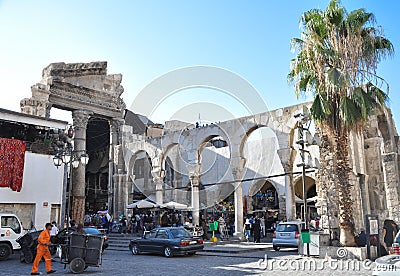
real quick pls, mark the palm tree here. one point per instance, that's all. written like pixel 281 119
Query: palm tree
pixel 336 62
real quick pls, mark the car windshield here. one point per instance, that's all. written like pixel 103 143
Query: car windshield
pixel 91 231
pixel 180 233
pixel 286 228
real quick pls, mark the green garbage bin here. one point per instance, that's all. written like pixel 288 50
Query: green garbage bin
pixel 213 226
pixel 305 236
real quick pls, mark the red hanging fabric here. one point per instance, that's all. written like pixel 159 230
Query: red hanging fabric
pixel 12 160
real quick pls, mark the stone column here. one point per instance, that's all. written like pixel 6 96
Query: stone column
pixel 159 183
pixel 194 177
pixel 117 184
pixel 237 172
pixel 158 179
pixel 287 156
pixel 391 177
pixel 194 181
pixel 80 119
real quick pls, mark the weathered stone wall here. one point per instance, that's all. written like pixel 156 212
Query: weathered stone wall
pixel 373 156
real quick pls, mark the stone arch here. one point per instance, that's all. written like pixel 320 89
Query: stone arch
pixel 259 147
pixel 246 135
pixel 310 187
pixel 164 154
pixel 210 133
pixel 207 165
pixel 390 162
pixel 386 127
pixel 264 200
pixel 259 184
pixel 178 167
pixel 146 186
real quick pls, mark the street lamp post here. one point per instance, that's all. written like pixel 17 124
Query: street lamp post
pixel 71 159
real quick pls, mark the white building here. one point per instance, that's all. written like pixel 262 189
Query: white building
pixel 40 198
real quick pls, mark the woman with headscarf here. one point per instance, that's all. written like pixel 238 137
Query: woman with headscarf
pixel 257 230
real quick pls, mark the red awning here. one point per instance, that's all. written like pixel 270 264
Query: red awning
pixel 12 160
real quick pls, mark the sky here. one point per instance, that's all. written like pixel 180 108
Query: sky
pixel 144 40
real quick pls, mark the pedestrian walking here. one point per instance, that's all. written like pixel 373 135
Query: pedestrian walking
pixel 221 226
pixel 43 251
pixel 257 230
pixel 247 229
pixel 262 223
pixel 54 229
pixel 124 224
pixel 389 232
pixel 132 224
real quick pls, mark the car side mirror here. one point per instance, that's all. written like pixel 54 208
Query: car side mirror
pixel 145 234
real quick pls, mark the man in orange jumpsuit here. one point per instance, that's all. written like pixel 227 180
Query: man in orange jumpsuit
pixel 43 251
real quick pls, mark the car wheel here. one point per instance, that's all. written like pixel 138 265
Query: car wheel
pixel 28 256
pixel 135 249
pixel 167 252
pixel 276 248
pixel 5 251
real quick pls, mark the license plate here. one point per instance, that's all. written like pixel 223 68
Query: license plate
pixel 192 242
pixel 285 234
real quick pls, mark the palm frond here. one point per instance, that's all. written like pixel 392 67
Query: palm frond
pixel 349 111
pixel 320 108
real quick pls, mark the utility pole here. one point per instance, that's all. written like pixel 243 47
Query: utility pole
pixel 301 142
pixel 305 139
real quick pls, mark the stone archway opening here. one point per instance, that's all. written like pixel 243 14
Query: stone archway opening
pixel 97 170
pixel 265 202
pixel 214 151
pixel 174 161
pixel 214 159
pixel 259 148
pixel 311 192
pixel 265 197
pixel 142 183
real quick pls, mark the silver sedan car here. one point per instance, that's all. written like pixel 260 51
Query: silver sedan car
pixel 287 235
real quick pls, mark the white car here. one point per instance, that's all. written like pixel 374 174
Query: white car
pixel 387 265
pixel 10 231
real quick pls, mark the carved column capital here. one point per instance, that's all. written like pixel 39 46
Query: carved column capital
pixel 157 172
pixel 80 118
pixel 287 156
pixel 237 173
pixel 238 164
pixel 158 181
pixel 115 124
pixel 194 180
pixel 194 173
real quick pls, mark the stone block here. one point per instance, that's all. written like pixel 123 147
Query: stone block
pixel 344 253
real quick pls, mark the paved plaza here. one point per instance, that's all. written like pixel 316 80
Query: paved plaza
pixel 228 259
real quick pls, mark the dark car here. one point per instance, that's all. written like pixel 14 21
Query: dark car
pixel 60 238
pixel 168 241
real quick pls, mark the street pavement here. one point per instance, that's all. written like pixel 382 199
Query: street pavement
pixel 216 259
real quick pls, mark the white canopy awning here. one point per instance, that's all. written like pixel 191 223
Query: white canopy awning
pixel 175 205
pixel 142 204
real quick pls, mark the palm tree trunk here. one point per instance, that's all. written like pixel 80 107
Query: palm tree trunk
pixel 345 202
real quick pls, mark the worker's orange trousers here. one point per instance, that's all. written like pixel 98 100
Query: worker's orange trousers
pixel 42 251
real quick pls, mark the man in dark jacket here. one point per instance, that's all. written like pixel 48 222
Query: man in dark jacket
pixel 257 230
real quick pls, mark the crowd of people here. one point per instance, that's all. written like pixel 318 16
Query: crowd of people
pixel 254 227
pixel 145 220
